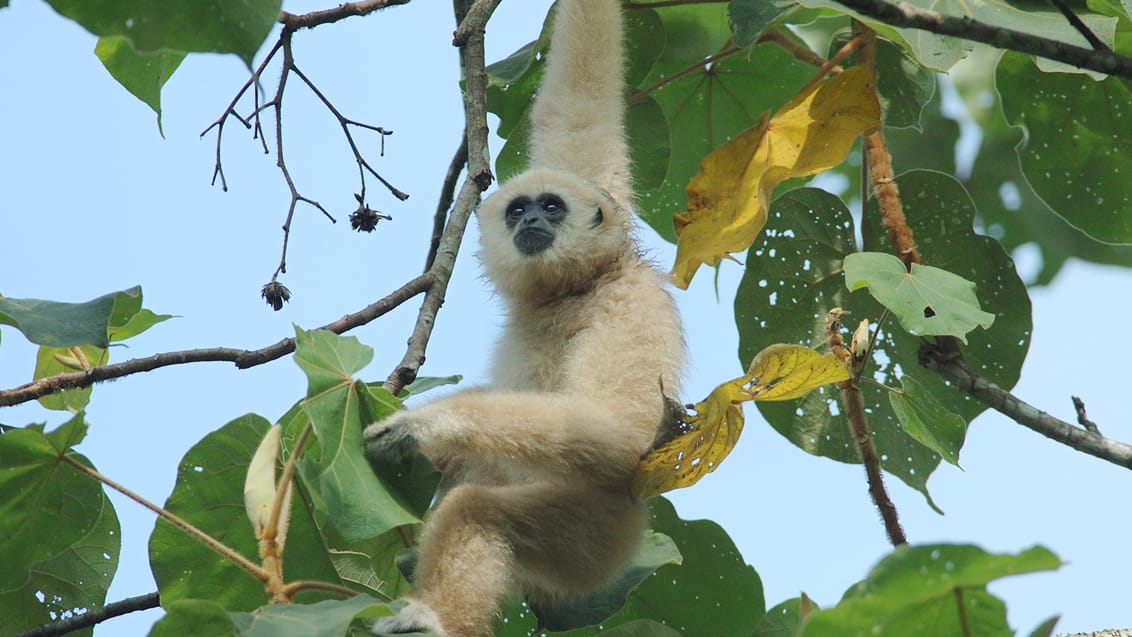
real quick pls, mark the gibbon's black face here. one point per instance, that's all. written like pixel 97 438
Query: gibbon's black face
pixel 534 220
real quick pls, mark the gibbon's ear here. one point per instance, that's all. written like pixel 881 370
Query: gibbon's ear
pixel 544 223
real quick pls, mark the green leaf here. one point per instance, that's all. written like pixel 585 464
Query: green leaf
pixel 929 422
pixel 1074 156
pixel 712 569
pixel 793 280
pixel 142 74
pixel 357 504
pixel 216 25
pixel 423 384
pixel 1045 629
pixel 783 620
pixel 904 86
pixel 641 628
pixel 209 494
pixel 62 324
pixel 61 533
pixel 927 301
pixel 749 18
pixel 917 591
pixel 655 551
pixel 51 361
pixel 193 618
pixel 75 579
pixel 328 618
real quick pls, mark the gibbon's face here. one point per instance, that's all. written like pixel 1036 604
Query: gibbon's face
pixel 544 225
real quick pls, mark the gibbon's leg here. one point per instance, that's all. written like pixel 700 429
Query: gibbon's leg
pixel 535 432
pixel 548 539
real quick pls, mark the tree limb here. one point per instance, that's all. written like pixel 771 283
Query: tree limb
pixel 905 15
pixel 95 616
pixel 952 367
pixel 478 178
pixel 241 357
pixel 326 16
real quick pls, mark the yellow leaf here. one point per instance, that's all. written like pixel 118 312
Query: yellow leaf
pixel 728 198
pixel 712 434
pixel 784 372
pixel 703 440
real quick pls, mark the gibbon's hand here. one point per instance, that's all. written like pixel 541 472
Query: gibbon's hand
pixel 393 438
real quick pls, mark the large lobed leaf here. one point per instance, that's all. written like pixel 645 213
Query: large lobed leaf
pixel 794 278
pixel 928 591
pixel 328 618
pixel 1075 156
pixel 61 533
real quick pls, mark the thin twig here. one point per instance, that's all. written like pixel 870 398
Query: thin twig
pixel 834 62
pixel 293 588
pixel 327 16
pixel 800 52
pixel 1082 418
pixel 477 180
pixel 253 569
pixel 241 357
pixel 95 616
pixel 912 17
pixel 954 368
pixel 1081 27
pixel 447 195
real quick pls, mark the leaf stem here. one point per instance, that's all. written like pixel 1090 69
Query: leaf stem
pixel 255 570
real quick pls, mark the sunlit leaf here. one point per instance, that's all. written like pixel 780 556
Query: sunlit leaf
pixel 917 590
pixel 358 506
pixel 785 372
pixel 64 324
pixel 727 200
pixel 928 301
pixel 779 372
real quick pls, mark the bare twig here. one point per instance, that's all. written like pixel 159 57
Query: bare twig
pixel 253 569
pixel 95 616
pixel 799 51
pixel 1081 27
pixel 477 180
pixel 1082 418
pixel 294 22
pixel 953 368
pixel 912 17
pixel 241 357
pixel 447 195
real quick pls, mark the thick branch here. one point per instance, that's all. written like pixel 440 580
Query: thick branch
pixel 479 177
pixel 241 357
pixel 906 15
pixel 953 368
pixel 95 616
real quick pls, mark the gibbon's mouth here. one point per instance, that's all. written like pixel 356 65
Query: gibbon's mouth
pixel 531 241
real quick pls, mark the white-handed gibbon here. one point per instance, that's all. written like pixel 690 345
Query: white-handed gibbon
pixel 538 464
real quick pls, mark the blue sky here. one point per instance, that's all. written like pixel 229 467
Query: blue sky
pixel 92 199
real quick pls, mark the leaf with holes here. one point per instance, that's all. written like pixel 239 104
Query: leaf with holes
pixel 727 199
pixel 928 591
pixel 794 277
pixel 927 301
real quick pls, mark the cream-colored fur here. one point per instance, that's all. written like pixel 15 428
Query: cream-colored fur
pixel 539 462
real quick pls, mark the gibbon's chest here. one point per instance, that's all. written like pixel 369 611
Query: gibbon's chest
pixel 537 346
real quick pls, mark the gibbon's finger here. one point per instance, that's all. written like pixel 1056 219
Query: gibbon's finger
pixel 387 440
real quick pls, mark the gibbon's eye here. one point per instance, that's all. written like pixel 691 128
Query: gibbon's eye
pixel 598 218
pixel 553 207
pixel 516 209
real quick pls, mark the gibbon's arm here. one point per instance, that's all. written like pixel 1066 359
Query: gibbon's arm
pixel 577 121
pixel 531 433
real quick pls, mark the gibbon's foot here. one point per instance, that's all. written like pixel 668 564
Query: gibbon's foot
pixel 391 438
pixel 414 617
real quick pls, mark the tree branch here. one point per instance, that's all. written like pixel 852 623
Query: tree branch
pixel 952 367
pixel 905 15
pixel 241 357
pixel 478 178
pixel 294 22
pixel 95 616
